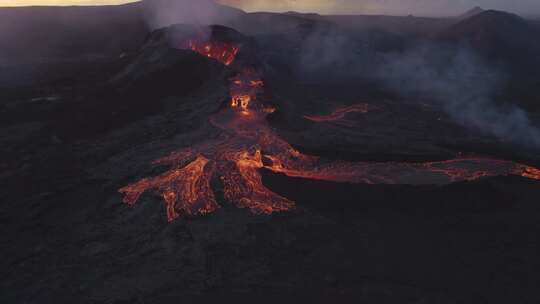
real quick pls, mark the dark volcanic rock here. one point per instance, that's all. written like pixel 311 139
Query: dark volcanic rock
pixel 509 44
pixel 472 12
pixel 500 36
pixel 159 72
pixel 163 65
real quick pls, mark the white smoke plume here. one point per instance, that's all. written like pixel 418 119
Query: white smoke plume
pixel 464 86
pixel 455 78
pixel 162 13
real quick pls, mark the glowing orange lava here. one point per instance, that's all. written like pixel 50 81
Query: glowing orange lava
pixel 222 52
pixel 339 115
pixel 184 190
pixel 250 192
pixel 530 172
pixel 247 144
pixel 444 172
pixel 241 101
pixel 244 89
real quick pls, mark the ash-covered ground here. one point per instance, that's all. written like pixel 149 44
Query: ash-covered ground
pixel 72 139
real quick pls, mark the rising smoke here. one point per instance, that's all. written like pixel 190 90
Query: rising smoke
pixel 162 13
pixel 465 87
pixel 454 78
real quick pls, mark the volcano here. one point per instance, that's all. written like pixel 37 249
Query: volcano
pixel 498 35
pixel 246 143
pixel 263 156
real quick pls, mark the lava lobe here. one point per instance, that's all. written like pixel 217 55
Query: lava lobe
pixel 339 116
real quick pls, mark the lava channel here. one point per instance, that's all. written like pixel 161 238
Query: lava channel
pixel 339 116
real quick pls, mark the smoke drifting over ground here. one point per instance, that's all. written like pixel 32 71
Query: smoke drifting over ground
pixel 464 86
pixel 324 51
pixel 328 50
pixel 453 78
pixel 162 13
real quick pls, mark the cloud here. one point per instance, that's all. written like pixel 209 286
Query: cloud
pixel 162 13
pixel 455 79
pixel 396 7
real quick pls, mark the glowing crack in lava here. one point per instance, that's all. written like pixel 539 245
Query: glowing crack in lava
pixel 339 115
pixel 230 165
pixel 220 51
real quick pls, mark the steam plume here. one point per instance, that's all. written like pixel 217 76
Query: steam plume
pixel 455 78
pixel 162 13
pixel 464 86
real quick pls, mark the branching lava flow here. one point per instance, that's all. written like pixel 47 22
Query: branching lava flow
pixel 248 144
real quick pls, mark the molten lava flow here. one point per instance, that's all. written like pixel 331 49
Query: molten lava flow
pixel 241 101
pixel 244 187
pixel 244 89
pixel 222 52
pixel 340 115
pixel 184 190
pixel 444 172
pixel 529 172
pixel 248 144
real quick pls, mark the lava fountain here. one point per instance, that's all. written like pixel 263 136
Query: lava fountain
pixel 230 165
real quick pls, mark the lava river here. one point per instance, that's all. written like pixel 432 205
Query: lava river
pixel 228 167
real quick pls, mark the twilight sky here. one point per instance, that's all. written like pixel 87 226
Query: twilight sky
pixel 398 7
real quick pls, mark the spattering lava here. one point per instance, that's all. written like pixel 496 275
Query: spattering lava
pixel 244 88
pixel 229 166
pixel 220 51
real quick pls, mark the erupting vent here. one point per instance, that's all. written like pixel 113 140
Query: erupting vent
pixel 244 88
pixel 230 165
pixel 222 52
